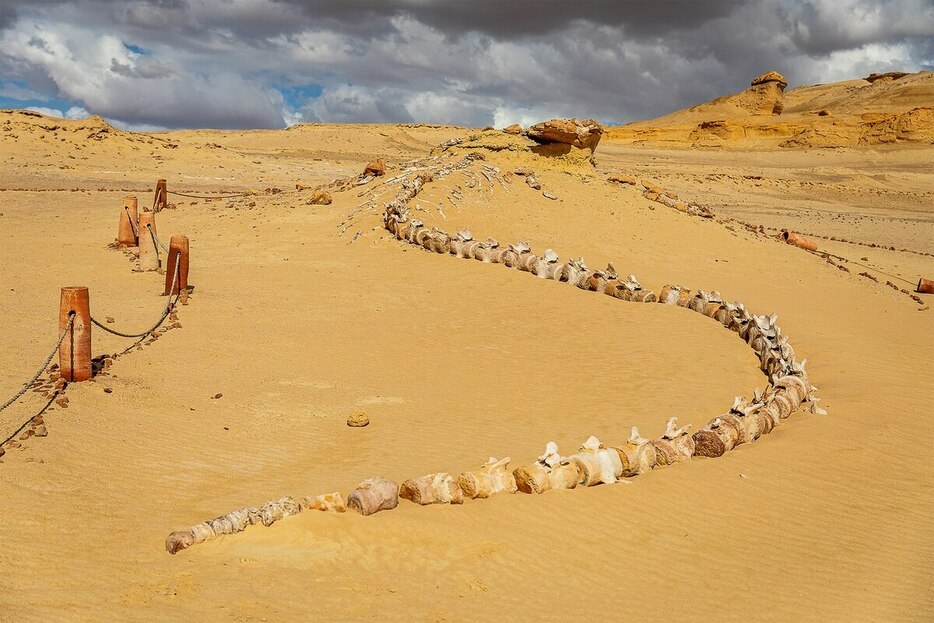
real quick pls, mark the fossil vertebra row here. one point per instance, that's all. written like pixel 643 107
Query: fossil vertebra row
pixel 594 463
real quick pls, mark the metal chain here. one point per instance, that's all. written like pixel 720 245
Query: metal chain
pixel 820 253
pixel 170 304
pixel 26 423
pixel 71 320
pixel 165 312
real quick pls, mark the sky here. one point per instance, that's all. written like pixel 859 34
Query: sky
pixel 153 64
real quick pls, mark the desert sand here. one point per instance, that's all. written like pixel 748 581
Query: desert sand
pixel 302 314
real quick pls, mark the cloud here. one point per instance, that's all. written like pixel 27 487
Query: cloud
pixel 270 63
pixel 75 112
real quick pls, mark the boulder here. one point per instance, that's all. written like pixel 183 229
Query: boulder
pixel 513 129
pixel 376 168
pixel 320 198
pixel 581 134
pixel 570 139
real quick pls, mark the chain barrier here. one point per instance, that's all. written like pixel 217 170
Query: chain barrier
pixel 820 253
pixel 168 308
pixel 156 240
pixel 190 196
pixel 26 423
pixel 61 338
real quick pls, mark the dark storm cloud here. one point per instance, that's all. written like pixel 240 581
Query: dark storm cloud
pixel 227 63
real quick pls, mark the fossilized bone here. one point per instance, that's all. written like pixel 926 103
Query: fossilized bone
pixel 674 295
pixel 631 290
pixel 546 266
pixel 439 488
pixel 485 251
pixel 374 495
pixel 718 437
pixel 493 477
pixel 232 523
pixel 675 445
pixel 575 271
pixel 328 502
pixel 600 278
pixel 637 456
pixel 459 243
pixel 597 464
pixel 699 302
pixel 550 471
pixel 515 255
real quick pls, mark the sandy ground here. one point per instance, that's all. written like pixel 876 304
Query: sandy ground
pixel 296 326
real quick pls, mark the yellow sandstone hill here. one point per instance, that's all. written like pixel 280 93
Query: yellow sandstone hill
pixel 879 109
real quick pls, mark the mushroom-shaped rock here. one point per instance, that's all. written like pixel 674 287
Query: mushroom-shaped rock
pixel 770 76
pixel 583 134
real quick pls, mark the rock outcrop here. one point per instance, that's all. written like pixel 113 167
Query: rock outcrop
pixel 571 141
pixel 765 94
pixel 561 137
pixel 581 134
pixel 770 76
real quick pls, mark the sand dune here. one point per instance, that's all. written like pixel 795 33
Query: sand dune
pixel 302 314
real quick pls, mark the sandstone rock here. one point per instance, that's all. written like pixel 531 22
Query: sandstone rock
pixel 622 179
pixel 892 75
pixel 358 419
pixel 513 129
pixel 581 134
pixel 770 76
pixel 533 182
pixel 41 431
pixel 375 168
pixel 320 198
pixel 652 188
pixel 765 96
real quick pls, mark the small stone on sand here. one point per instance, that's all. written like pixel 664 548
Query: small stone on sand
pixel 358 419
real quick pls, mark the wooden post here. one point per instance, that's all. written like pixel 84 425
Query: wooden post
pixel 160 202
pixel 148 253
pixel 74 355
pixel 178 247
pixel 126 233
